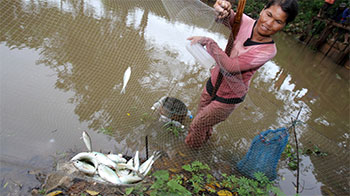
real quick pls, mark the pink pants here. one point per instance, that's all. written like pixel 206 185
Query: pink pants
pixel 209 114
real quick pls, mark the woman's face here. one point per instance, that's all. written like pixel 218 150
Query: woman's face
pixel 271 20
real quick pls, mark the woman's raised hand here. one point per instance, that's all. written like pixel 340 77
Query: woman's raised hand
pixel 222 8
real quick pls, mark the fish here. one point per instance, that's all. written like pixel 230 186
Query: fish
pixel 103 159
pixel 130 163
pixel 87 157
pixel 146 166
pixel 85 162
pixel 108 174
pixel 116 158
pixel 87 141
pixel 123 172
pixel 121 166
pixel 136 161
pixel 97 178
pixel 129 179
pixel 126 79
pixel 85 167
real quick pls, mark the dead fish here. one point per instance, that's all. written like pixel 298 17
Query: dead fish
pixel 87 141
pixel 103 159
pixel 136 161
pixel 126 79
pixel 85 162
pixel 116 158
pixel 87 156
pixel 108 174
pixel 123 172
pixel 85 167
pixel 147 165
pixel 122 166
pixel 129 179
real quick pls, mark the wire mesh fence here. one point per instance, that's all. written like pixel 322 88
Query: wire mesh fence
pixel 89 45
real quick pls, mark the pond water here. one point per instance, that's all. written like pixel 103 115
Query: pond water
pixel 62 67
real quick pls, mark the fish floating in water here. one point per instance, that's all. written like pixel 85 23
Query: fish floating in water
pixel 87 141
pixel 113 168
pixel 126 79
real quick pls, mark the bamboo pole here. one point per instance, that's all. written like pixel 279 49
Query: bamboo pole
pixel 235 29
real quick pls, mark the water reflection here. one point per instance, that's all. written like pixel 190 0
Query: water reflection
pixel 89 44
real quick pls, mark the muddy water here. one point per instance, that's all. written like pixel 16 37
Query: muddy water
pixel 62 67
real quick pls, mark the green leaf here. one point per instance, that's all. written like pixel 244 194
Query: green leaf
pixel 161 175
pixel 292 165
pixel 154 193
pixel 187 168
pixel 128 191
pixel 173 185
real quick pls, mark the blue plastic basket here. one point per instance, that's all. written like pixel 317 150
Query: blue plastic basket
pixel 264 153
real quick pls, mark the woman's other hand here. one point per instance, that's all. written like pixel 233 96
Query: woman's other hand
pixel 196 39
pixel 222 8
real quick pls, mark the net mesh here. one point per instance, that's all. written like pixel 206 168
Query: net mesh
pixel 90 48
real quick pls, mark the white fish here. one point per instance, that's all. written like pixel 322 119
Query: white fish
pixel 98 178
pixel 136 161
pixel 126 79
pixel 147 165
pixel 121 166
pixel 85 167
pixel 103 159
pixel 87 141
pixel 123 172
pixel 130 163
pixel 87 157
pixel 148 168
pixel 108 174
pixel 85 162
pixel 116 158
pixel 130 179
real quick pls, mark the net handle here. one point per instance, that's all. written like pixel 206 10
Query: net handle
pixel 235 29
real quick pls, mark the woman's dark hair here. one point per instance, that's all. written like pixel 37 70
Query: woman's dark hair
pixel 288 6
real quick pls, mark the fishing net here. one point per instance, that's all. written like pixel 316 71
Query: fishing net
pixel 82 48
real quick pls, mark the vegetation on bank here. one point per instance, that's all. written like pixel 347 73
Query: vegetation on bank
pixel 195 179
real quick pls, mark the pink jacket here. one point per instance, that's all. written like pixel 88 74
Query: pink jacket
pixel 246 57
pixel 330 1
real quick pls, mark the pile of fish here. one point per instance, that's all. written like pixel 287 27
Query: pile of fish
pixel 112 168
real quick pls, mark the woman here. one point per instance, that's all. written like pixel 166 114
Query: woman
pixel 252 48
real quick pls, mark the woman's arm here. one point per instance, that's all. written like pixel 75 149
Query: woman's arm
pixel 252 59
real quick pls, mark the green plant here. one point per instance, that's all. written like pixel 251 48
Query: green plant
pixel 146 117
pixel 259 186
pixel 42 191
pixel 198 181
pixel 291 157
pixel 315 151
pixel 230 182
pixel 106 130
pixel 165 186
pixel 170 126
pixel 137 190
pixel 199 176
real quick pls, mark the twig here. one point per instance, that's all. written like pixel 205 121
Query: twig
pixel 297 148
pixel 146 138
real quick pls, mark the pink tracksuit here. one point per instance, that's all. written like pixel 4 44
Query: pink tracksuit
pixel 246 57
